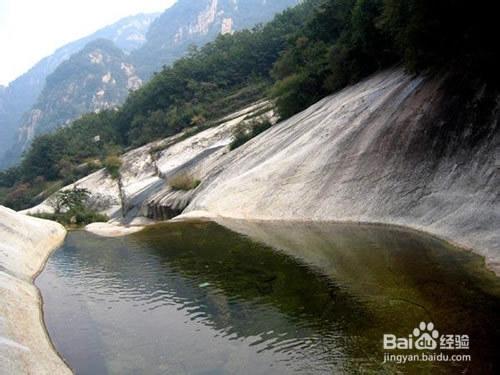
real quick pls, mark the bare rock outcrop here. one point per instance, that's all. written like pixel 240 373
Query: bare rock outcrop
pixel 25 244
pixel 394 149
pixel 143 189
pixel 382 151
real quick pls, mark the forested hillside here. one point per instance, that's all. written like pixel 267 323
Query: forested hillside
pixel 301 56
pixel 350 39
pixel 98 77
pixel 194 23
pixel 148 45
pixel 21 94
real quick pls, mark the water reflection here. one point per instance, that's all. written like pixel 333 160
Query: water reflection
pixel 261 298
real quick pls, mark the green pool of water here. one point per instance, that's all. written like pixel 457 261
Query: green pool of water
pixel 264 298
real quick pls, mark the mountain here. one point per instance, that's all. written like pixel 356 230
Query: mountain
pixel 2 97
pixel 21 94
pixel 195 92
pixel 168 38
pixel 379 151
pixel 3 109
pixel 98 77
pixel 189 23
pixel 129 33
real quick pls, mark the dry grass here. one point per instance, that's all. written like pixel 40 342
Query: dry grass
pixel 183 181
pixel 113 164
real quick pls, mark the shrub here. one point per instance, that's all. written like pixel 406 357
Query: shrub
pixel 113 164
pixel 183 181
pixel 76 219
pixel 92 164
pixel 18 197
pixel 244 133
pixel 71 209
pixel 69 200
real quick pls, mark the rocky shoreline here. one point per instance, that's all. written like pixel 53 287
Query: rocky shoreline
pixel 26 243
pixel 386 150
pixel 372 153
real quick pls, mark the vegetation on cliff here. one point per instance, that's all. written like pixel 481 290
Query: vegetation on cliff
pixel 247 131
pixel 72 208
pixel 304 54
pixel 347 40
pixel 209 83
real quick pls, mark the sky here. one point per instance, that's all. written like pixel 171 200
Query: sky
pixel 33 29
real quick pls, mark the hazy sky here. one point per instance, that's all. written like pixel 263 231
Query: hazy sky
pixel 33 29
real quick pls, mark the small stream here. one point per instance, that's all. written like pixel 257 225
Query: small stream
pixel 264 298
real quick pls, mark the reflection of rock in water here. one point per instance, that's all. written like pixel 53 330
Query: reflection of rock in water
pixel 401 277
pixel 299 297
pixel 392 149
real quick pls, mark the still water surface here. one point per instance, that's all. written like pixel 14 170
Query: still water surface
pixel 263 298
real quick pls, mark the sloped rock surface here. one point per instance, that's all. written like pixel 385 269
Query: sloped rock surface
pixel 25 244
pixel 378 151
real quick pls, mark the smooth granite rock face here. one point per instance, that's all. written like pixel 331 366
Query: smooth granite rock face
pixel 25 244
pixel 142 191
pixel 374 152
pixel 383 151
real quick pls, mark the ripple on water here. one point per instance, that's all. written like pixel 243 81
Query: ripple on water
pixel 198 298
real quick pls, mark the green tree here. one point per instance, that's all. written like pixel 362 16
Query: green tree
pixel 72 200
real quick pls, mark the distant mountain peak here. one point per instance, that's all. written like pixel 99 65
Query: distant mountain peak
pixel 190 22
pixel 96 78
pixel 97 72
pixel 21 95
pixel 129 33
